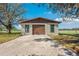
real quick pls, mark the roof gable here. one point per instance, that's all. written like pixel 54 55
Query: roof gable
pixel 40 20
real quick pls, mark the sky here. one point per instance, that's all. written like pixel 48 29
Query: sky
pixel 33 11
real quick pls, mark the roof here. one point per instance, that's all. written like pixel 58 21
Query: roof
pixel 40 20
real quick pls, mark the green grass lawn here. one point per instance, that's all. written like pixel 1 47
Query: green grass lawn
pixel 69 32
pixel 4 37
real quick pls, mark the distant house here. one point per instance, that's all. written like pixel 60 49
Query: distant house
pixel 39 26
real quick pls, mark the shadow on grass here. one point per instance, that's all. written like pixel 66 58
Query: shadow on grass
pixel 71 41
pixel 76 35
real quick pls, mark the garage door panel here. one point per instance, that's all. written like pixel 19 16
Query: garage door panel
pixel 38 29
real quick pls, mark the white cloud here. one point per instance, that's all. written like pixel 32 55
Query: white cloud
pixel 67 19
pixel 49 12
pixel 58 19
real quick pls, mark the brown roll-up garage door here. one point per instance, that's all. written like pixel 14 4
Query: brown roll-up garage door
pixel 38 29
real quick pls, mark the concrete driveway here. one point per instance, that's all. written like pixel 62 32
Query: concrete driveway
pixel 26 45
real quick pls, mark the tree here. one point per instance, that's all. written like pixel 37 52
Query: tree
pixel 70 10
pixel 9 13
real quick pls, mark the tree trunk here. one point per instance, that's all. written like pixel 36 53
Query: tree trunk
pixel 9 30
pixel 9 27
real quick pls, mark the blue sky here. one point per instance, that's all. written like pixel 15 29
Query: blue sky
pixel 34 11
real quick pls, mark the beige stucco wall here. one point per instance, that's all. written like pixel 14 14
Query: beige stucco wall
pixel 23 29
pixel 47 28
